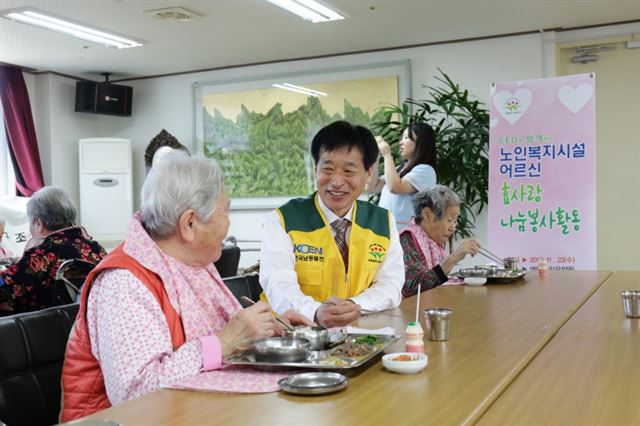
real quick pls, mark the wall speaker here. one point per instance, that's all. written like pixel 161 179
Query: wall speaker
pixel 103 98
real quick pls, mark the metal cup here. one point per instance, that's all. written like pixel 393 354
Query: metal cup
pixel 510 263
pixel 438 322
pixel 631 303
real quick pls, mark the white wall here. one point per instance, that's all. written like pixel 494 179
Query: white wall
pixel 167 103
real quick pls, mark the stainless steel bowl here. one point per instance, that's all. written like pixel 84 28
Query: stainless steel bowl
pixel 473 272
pixel 317 336
pixel 281 349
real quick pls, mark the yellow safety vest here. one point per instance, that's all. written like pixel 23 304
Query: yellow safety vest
pixel 319 265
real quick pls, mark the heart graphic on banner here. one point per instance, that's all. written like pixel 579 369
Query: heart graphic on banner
pixel 493 122
pixel 512 106
pixel 575 98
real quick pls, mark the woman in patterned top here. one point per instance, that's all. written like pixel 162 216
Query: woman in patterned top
pixel 436 212
pixel 29 284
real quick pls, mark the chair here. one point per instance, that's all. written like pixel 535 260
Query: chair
pixel 31 356
pixel 69 279
pixel 227 265
pixel 239 286
pixel 255 288
pixel 244 285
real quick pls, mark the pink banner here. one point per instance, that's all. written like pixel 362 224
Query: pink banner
pixel 542 172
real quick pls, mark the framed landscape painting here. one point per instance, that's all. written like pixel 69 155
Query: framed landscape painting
pixel 260 131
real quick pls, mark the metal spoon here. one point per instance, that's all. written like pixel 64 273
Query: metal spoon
pixel 277 318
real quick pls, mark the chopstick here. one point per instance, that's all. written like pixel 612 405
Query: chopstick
pixel 371 311
pixel 362 311
pixel 275 316
pixel 486 253
pixel 383 312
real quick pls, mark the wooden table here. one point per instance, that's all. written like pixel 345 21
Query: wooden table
pixel 496 331
pixel 587 374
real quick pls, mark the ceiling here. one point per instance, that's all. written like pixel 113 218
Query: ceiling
pixel 237 32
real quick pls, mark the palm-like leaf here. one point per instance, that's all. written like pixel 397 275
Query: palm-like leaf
pixel 461 125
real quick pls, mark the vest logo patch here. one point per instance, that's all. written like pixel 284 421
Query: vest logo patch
pixel 376 253
pixel 307 249
pixel 308 253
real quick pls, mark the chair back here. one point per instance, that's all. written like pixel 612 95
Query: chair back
pixel 227 265
pixel 69 280
pixel 255 288
pixel 32 352
pixel 244 285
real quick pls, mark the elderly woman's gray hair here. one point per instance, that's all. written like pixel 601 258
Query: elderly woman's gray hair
pixel 437 198
pixel 2 221
pixel 174 185
pixel 53 207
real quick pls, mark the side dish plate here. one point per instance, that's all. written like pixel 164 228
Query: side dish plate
pixel 316 383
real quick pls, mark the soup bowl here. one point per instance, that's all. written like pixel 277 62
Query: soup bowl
pixel 317 336
pixel 281 349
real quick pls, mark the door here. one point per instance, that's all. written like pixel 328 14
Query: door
pixel 617 145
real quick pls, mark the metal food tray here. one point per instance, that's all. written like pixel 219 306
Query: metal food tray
pixel 498 276
pixel 317 359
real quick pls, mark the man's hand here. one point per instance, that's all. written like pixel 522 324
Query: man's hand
pixel 336 312
pixel 294 318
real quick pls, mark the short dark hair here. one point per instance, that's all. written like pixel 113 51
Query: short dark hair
pixel 425 138
pixel 342 134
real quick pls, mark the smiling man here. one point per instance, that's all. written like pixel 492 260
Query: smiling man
pixel 329 255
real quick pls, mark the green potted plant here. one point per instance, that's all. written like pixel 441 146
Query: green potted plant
pixel 461 124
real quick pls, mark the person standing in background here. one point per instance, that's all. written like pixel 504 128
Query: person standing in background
pixel 416 173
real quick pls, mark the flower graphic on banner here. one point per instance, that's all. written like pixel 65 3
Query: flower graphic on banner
pixel 512 106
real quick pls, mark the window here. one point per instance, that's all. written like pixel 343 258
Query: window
pixel 7 174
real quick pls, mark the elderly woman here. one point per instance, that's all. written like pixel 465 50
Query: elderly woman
pixel 155 310
pixel 28 284
pixel 426 262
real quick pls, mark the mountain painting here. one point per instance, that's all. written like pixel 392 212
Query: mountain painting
pixel 261 137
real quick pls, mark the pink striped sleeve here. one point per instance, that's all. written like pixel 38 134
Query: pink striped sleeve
pixel 211 353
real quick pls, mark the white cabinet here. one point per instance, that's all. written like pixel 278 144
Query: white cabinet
pixel 106 187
